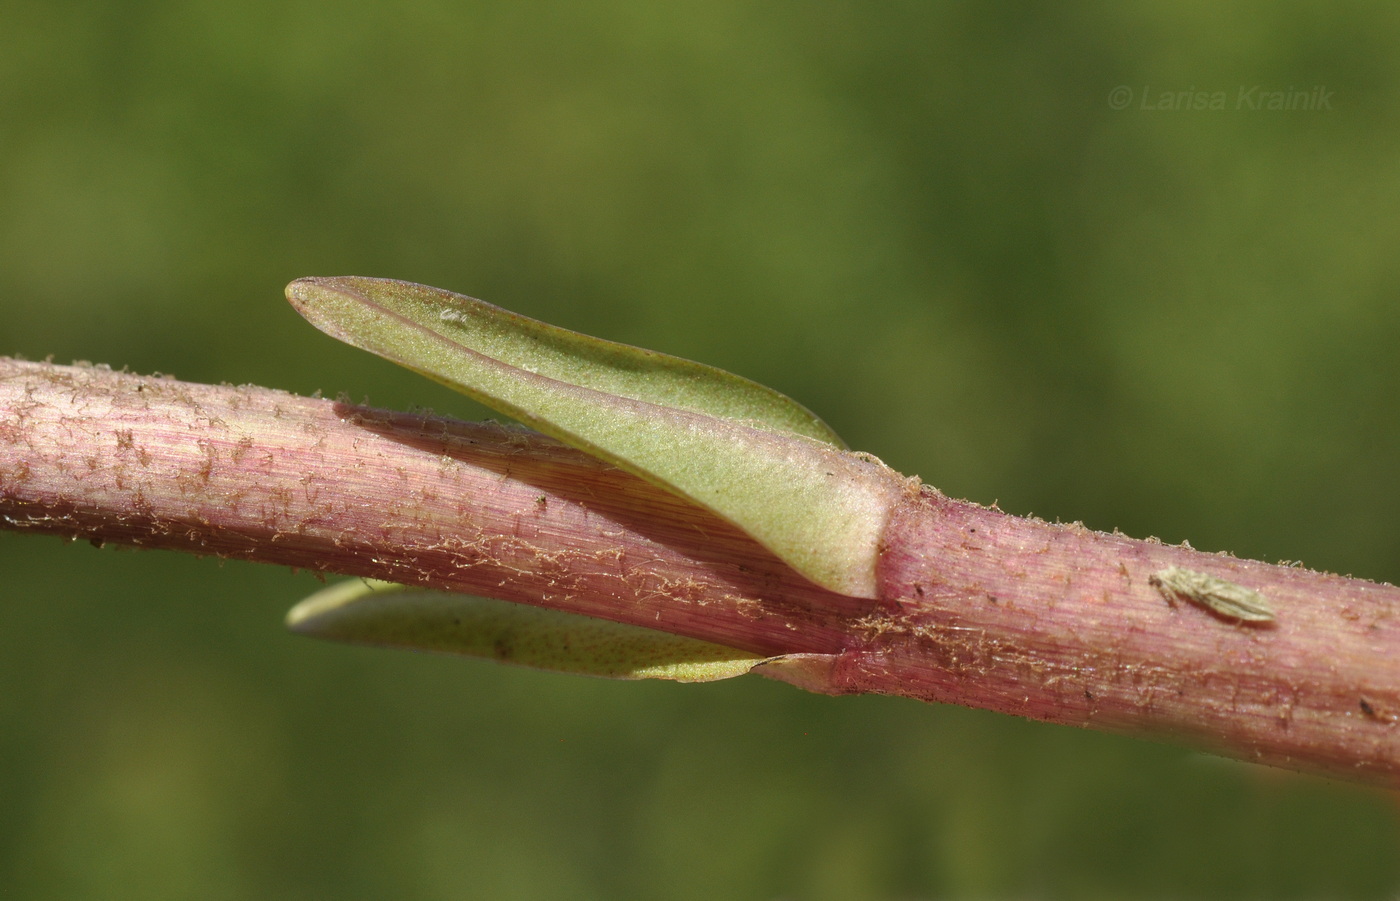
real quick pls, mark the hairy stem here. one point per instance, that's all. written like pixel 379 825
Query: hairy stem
pixel 975 607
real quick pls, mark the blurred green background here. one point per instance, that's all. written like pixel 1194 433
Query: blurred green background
pixel 926 221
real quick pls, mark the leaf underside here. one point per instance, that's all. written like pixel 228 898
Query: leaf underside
pixel 385 614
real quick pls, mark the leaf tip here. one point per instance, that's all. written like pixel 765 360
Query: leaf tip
pixel 316 615
pixel 312 291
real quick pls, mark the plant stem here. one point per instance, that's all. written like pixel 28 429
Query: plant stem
pixel 1052 622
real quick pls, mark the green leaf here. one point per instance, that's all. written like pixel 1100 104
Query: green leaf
pixel 385 614
pixel 743 451
pixel 469 345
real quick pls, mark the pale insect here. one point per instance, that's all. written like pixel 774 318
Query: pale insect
pixel 1217 595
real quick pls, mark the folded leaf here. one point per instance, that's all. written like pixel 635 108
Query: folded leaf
pixel 743 451
pixel 439 334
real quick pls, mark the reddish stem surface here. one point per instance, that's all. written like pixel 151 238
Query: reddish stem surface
pixel 1053 622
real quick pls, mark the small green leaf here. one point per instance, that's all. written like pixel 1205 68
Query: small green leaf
pixel 744 452
pixel 385 614
pixel 470 345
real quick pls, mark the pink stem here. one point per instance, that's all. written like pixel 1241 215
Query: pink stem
pixel 979 608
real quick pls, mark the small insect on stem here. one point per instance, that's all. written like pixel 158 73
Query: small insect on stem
pixel 1224 598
